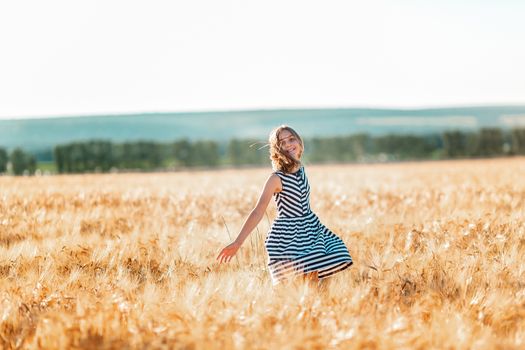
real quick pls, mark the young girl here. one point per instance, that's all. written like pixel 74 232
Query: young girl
pixel 297 243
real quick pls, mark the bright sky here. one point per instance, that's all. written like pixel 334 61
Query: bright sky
pixel 90 57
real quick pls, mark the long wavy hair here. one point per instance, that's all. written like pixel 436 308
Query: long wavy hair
pixel 281 160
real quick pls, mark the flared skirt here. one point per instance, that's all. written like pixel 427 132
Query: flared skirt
pixel 301 245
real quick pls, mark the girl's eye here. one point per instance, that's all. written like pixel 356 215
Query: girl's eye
pixel 289 139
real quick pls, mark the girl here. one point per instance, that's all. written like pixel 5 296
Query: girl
pixel 297 243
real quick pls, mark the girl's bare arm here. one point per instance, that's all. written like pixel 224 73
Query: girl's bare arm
pixel 273 185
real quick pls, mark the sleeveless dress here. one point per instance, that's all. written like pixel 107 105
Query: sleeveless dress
pixel 298 243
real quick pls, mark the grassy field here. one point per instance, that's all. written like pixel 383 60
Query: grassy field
pixel 128 261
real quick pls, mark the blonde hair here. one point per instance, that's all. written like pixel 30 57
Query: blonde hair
pixel 281 160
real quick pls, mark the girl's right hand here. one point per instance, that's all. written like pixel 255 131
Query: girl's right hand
pixel 228 252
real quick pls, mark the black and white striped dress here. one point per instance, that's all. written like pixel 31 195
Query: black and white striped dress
pixel 298 242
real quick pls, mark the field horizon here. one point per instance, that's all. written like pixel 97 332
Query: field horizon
pixel 38 135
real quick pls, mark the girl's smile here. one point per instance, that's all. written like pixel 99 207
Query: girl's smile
pixel 290 144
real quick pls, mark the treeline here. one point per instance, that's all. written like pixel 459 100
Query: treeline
pixel 105 156
pixel 19 162
pixel 488 142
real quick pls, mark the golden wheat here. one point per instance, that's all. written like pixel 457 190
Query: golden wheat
pixel 128 261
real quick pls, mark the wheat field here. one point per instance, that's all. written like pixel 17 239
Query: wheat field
pixel 128 261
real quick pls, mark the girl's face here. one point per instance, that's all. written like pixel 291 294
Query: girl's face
pixel 290 144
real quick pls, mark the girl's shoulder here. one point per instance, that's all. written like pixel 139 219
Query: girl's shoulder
pixel 275 175
pixel 279 173
pixel 275 182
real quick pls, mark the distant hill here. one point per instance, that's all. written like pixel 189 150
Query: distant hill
pixel 41 134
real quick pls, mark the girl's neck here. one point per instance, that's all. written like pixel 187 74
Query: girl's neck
pixel 296 169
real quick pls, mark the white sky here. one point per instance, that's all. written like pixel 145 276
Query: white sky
pixel 90 57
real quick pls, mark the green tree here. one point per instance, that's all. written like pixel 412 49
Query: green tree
pixel 406 146
pixel 518 141
pixel 58 156
pixel 246 152
pixel 101 155
pixel 360 145
pixel 77 157
pixel 3 160
pixel 22 162
pixel 323 150
pixel 153 154
pixel 182 152
pixel 490 142
pixel 235 152
pixel 454 144
pixel 204 153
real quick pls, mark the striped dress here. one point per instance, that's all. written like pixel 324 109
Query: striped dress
pixel 298 242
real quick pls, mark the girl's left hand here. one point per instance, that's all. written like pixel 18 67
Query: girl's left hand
pixel 228 252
